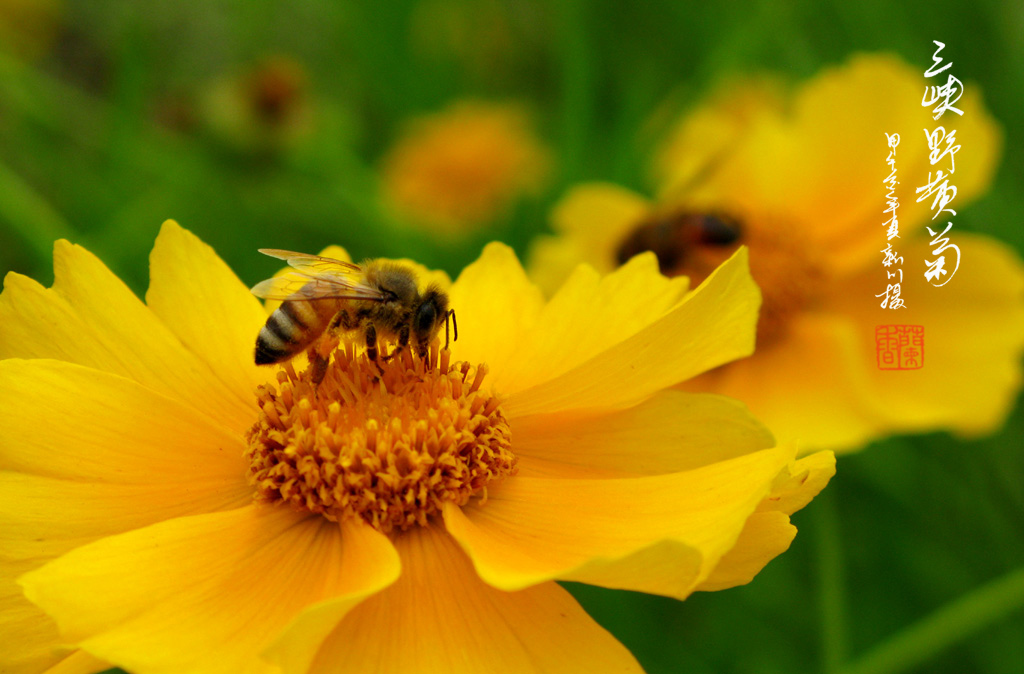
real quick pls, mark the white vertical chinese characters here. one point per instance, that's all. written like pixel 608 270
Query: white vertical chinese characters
pixel 942 151
pixel 892 262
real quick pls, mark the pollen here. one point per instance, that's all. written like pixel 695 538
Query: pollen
pixel 390 442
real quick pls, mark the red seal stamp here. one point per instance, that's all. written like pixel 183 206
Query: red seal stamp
pixel 900 347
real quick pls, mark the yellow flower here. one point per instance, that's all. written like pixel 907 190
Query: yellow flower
pixel 265 109
pixel 410 517
pixel 801 184
pixel 461 168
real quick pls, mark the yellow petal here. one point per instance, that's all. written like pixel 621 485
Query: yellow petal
pixel 768 532
pixel 31 643
pixel 91 318
pixel 713 325
pixel 591 222
pixel 205 593
pixel 696 146
pixel 363 574
pixel 551 259
pixel 78 662
pixel 334 252
pixel 116 456
pixel 670 432
pixel 42 518
pixel 439 617
pixel 588 315
pixel 800 482
pixel 102 427
pixel 973 336
pixel 495 304
pixel 598 216
pixel 834 100
pixel 791 385
pixel 764 537
pixel 601 531
pixel 207 307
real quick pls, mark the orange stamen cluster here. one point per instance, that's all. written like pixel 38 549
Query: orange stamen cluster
pixel 389 442
pixel 790 280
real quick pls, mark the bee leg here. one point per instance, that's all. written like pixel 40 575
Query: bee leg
pixel 319 353
pixel 341 322
pixel 371 342
pixel 319 364
pixel 422 347
pixel 403 341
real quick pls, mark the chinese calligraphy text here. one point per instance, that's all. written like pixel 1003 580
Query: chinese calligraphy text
pixel 891 296
pixel 943 148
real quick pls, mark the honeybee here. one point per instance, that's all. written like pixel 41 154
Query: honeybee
pixel 682 240
pixel 320 294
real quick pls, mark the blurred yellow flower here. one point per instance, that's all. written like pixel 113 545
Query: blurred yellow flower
pixel 801 183
pixel 550 451
pixel 267 108
pixel 463 167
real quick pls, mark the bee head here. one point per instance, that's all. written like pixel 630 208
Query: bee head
pixel 431 313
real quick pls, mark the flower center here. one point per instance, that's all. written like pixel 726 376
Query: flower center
pixel 391 443
pixel 693 244
pixel 790 281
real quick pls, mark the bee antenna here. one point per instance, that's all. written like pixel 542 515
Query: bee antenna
pixel 450 314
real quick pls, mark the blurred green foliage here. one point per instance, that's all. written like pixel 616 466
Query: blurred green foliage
pixel 110 123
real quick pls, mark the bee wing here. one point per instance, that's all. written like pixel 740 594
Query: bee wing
pixel 305 287
pixel 312 264
pixel 316 277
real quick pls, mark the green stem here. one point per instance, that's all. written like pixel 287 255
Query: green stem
pixel 831 586
pixel 950 624
pixel 577 87
pixel 28 214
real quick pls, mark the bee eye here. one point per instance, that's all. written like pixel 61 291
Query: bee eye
pixel 425 318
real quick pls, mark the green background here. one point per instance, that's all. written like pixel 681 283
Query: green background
pixel 913 558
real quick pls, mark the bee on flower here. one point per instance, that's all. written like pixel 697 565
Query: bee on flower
pixel 170 505
pixel 799 180
pixel 322 297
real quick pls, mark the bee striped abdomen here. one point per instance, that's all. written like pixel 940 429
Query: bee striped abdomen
pixel 290 329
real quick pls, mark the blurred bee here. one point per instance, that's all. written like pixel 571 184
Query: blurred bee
pixel 682 240
pixel 324 295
